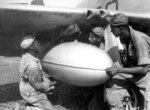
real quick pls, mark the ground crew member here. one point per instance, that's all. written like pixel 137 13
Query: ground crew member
pixel 34 84
pixel 137 47
pixel 96 37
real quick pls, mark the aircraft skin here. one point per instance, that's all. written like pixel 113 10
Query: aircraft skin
pixel 32 18
pixel 133 6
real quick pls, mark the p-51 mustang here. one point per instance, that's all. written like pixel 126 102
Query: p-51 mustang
pixel 18 17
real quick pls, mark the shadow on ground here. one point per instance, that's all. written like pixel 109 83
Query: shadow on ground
pixel 9 92
pixel 71 97
pixel 65 96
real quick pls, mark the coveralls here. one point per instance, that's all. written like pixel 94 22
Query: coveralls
pixel 136 54
pixel 31 70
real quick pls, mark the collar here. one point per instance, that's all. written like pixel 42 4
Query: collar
pixel 32 57
pixel 131 32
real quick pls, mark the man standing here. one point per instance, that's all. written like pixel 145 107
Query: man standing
pixel 137 58
pixel 34 84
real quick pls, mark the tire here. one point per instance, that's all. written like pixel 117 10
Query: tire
pixel 137 100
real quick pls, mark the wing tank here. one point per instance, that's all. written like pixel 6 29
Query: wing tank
pixel 78 64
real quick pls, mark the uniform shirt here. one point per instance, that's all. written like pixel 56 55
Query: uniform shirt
pixel 31 73
pixel 137 53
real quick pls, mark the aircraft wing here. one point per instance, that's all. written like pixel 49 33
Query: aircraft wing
pixel 22 18
pixel 27 18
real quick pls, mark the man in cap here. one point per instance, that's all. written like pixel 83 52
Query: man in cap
pixel 71 33
pixel 96 37
pixel 34 84
pixel 137 58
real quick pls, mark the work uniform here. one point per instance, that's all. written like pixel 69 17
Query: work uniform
pixel 31 70
pixel 137 53
pixel 107 43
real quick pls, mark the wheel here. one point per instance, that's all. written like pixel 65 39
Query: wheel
pixel 133 97
pixel 136 99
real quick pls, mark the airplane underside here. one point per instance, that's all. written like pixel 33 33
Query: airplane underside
pixel 32 17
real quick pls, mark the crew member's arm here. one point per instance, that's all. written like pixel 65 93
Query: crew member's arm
pixel 35 79
pixel 142 52
pixel 133 70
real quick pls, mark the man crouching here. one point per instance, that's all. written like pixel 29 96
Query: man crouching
pixel 34 84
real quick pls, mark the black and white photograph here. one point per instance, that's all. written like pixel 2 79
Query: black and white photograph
pixel 74 54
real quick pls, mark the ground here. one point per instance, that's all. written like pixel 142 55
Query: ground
pixel 65 97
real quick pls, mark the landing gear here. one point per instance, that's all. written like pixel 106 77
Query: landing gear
pixel 135 101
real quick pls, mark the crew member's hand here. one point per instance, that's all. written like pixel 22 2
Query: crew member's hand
pixel 112 71
pixel 146 69
pixel 51 87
